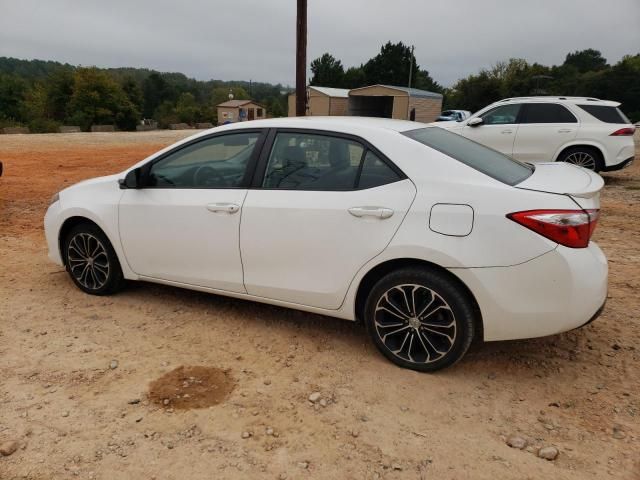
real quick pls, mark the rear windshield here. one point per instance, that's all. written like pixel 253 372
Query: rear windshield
pixel 484 159
pixel 606 114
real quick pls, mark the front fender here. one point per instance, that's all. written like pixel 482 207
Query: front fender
pixel 97 201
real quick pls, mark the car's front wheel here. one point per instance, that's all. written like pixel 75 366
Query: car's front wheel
pixel 91 261
pixel 420 319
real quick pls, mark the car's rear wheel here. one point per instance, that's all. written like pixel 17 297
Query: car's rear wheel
pixel 91 261
pixel 420 319
pixel 586 157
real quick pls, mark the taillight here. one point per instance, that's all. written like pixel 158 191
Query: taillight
pixel 623 132
pixel 571 228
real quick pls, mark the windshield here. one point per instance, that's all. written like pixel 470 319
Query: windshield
pixel 483 159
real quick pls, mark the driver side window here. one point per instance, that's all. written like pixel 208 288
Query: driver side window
pixel 218 162
pixel 502 115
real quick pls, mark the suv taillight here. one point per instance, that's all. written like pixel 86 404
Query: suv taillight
pixel 571 228
pixel 623 132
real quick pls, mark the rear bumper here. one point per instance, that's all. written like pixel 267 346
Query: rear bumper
pixel 619 166
pixel 555 292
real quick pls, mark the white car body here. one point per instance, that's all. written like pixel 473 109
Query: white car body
pixel 311 250
pixel 546 142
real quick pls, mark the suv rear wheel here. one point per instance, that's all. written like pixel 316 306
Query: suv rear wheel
pixel 420 319
pixel 586 157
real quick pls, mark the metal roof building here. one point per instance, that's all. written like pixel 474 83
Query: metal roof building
pixel 389 101
pixel 323 101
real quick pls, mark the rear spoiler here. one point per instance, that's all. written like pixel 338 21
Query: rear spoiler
pixel 563 178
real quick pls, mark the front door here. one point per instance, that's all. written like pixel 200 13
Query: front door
pixel 327 205
pixel 498 129
pixel 183 225
pixel 251 113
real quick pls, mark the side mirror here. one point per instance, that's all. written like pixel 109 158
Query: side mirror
pixel 475 122
pixel 131 180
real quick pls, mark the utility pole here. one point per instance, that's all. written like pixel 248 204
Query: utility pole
pixel 301 60
pixel 411 66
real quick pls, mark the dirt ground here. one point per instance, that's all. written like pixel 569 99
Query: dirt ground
pixel 75 370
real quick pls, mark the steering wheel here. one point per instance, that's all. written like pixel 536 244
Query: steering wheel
pixel 205 174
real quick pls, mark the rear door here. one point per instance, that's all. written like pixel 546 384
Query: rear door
pixel 325 205
pixel 498 128
pixel 544 129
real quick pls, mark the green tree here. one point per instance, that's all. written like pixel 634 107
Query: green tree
pixel 424 81
pixel 275 108
pixel 156 90
pixel 12 95
pixel 35 110
pixel 165 114
pixel 187 109
pixel 327 72
pixel 133 91
pixel 391 65
pixel 354 77
pixel 98 99
pixel 474 92
pixel 588 60
pixel 59 89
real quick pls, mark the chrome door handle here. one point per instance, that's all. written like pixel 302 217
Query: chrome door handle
pixel 377 212
pixel 223 207
pixel 507 131
pixel 565 130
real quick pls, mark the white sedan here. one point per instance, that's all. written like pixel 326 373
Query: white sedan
pixel 430 239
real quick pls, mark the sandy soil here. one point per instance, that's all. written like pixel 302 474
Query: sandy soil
pixel 75 370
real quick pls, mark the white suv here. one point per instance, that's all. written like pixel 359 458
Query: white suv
pixel 588 132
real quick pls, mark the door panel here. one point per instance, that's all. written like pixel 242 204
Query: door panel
pixel 544 129
pixel 498 137
pixel 498 130
pixel 306 247
pixel 540 142
pixel 184 235
pixel 184 224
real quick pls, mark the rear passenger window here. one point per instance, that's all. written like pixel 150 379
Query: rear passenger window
pixel 546 113
pixel 301 161
pixel 375 172
pixel 605 113
pixel 309 161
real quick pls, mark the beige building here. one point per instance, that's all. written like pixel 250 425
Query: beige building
pixel 323 101
pixel 395 102
pixel 240 111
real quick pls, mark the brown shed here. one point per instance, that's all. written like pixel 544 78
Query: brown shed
pixel 323 101
pixel 395 102
pixel 240 111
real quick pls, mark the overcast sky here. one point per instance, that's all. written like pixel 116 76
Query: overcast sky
pixel 255 39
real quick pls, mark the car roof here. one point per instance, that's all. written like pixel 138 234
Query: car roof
pixel 561 99
pixel 329 123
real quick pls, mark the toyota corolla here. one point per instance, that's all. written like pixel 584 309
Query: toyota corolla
pixel 428 238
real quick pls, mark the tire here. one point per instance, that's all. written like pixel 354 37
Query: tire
pixel 587 157
pixel 420 319
pixel 101 275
